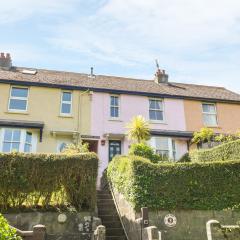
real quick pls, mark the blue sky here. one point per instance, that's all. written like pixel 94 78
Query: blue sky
pixel 194 41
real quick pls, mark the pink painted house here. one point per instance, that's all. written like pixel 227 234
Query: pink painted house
pixel 112 111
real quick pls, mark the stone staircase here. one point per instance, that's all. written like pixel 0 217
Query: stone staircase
pixel 109 215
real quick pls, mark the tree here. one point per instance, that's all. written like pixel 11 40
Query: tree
pixel 138 129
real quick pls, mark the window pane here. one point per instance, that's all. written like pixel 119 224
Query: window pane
pixel 18 104
pixel 162 143
pixel 116 112
pixel 209 108
pixel 152 104
pixel 15 147
pixel 159 105
pixel 62 147
pixel 19 92
pixel 67 96
pixel 16 136
pixel 8 135
pixel 28 137
pixel 116 101
pixel 112 101
pixel 159 115
pixel 152 115
pixel 210 119
pixel 66 108
pixel 27 148
pixel 6 147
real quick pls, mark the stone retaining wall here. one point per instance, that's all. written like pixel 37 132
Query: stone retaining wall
pixel 67 226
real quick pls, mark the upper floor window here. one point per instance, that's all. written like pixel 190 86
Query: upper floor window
pixel 66 103
pixel 114 106
pixel 16 140
pixel 155 109
pixel 209 114
pixel 18 100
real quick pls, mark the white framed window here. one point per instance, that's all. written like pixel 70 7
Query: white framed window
pixel 164 146
pixel 18 99
pixel 209 114
pixel 66 103
pixel 17 140
pixel 156 111
pixel 114 106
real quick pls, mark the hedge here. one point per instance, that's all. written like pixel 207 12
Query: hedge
pixel 223 152
pixel 168 186
pixel 33 180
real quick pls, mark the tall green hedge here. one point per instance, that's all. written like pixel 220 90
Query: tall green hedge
pixel 34 180
pixel 223 152
pixel 169 186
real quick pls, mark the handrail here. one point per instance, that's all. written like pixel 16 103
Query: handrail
pixel 118 211
pixel 23 233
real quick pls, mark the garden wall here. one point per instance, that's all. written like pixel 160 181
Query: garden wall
pixel 78 226
pixel 190 225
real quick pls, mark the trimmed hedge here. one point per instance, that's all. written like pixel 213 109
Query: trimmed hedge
pixel 223 152
pixel 203 186
pixel 32 180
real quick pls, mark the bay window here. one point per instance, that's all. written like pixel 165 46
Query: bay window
pixel 17 140
pixel 164 146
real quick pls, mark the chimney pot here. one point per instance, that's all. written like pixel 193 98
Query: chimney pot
pixel 5 62
pixel 161 76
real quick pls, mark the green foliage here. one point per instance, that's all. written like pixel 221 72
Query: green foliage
pixel 185 158
pixel 204 135
pixel 144 150
pixel 6 232
pixel 223 138
pixel 223 152
pixel 138 129
pixel 76 148
pixel 205 186
pixel 33 180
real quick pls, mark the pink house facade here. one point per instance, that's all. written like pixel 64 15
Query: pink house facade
pixel 110 114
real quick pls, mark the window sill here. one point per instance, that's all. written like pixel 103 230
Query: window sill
pixel 66 116
pixel 157 122
pixel 212 126
pixel 115 120
pixel 17 112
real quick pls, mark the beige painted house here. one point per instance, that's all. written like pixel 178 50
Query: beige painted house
pixel 41 118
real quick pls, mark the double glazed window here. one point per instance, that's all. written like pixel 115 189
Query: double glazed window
pixel 114 106
pixel 18 100
pixel 66 103
pixel 16 140
pixel 156 110
pixel 209 114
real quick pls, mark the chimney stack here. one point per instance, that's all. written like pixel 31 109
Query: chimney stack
pixel 5 61
pixel 161 76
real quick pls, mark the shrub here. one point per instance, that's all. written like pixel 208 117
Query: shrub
pixel 204 135
pixel 6 232
pixel 76 148
pixel 143 150
pixel 170 186
pixel 185 158
pixel 223 152
pixel 30 180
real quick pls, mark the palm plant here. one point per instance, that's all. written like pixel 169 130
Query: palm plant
pixel 138 129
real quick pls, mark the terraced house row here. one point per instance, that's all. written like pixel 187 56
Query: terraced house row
pixel 43 110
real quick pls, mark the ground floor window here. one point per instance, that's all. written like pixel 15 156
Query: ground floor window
pixel 16 140
pixel 164 146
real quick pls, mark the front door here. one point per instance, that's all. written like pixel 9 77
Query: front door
pixel 114 148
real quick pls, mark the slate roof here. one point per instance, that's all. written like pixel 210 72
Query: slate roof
pixel 114 84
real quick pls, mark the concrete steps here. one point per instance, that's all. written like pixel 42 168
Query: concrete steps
pixel 110 219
